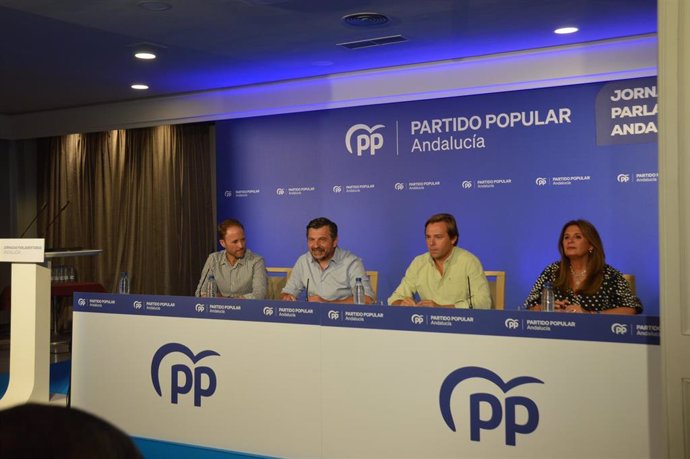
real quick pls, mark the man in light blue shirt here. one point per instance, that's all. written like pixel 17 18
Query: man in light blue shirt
pixel 327 272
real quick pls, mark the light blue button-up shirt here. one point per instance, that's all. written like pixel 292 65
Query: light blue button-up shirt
pixel 333 283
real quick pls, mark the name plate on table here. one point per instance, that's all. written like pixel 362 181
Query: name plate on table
pixel 22 250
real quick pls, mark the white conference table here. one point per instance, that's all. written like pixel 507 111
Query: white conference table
pixel 306 380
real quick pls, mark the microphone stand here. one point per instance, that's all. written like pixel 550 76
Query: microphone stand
pixel 38 214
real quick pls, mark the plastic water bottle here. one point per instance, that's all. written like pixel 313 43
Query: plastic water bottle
pixel 548 297
pixel 211 287
pixel 123 285
pixel 359 291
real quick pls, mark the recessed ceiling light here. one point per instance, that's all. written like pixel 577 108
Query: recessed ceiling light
pixel 565 30
pixel 145 55
pixel 140 86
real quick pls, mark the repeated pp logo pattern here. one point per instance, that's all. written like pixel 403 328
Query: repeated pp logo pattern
pixel 417 319
pixel 333 315
pixel 619 329
pixel 512 324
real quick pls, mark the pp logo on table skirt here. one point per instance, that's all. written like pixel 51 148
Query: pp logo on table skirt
pixel 200 380
pixel 333 314
pixel 417 319
pixel 498 410
pixel 619 329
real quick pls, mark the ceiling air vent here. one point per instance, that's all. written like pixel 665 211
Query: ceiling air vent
pixel 365 19
pixel 373 42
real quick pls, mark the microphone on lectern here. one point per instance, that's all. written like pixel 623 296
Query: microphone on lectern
pixel 57 214
pixel 38 214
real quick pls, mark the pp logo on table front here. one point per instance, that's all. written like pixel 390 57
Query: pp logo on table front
pixel 417 319
pixel 200 380
pixel 366 140
pixel 333 315
pixel 619 329
pixel 199 307
pixel 488 412
pixel 137 304
pixel 512 324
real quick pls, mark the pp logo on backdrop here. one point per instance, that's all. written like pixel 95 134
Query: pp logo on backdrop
pixel 541 181
pixel 500 411
pixel 466 184
pixel 623 178
pixel 367 140
pixel 619 329
pixel 185 378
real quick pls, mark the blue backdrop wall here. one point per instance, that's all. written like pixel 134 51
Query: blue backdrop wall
pixel 512 167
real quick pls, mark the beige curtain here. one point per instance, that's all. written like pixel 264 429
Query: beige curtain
pixel 144 196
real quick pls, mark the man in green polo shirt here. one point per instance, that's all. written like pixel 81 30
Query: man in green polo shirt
pixel 447 276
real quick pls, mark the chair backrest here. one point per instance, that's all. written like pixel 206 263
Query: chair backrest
pixel 631 280
pixel 277 278
pixel 373 281
pixel 497 286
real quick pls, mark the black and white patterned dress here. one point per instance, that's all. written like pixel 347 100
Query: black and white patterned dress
pixel 614 292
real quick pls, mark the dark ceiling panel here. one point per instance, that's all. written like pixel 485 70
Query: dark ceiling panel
pixel 56 54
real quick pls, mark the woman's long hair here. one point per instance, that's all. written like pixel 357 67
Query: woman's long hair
pixel 595 261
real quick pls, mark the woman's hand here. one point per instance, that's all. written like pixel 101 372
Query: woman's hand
pixel 560 305
pixel 567 306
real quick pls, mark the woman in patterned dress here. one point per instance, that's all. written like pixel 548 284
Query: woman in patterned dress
pixel 582 281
